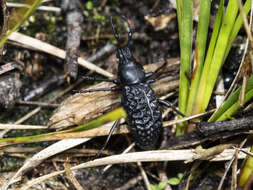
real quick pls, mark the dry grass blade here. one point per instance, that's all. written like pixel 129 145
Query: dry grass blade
pixel 155 156
pixel 245 22
pixel 50 49
pixel 246 152
pixel 13 126
pixel 169 123
pixel 235 156
pixel 42 155
pixel 193 168
pixel 36 103
pixel 247 62
pixel 21 120
pixel 144 176
pixel 234 172
pixel 147 156
pixel 206 154
pixel 39 180
pixel 71 176
pixel 42 8
pixel 224 175
pixel 124 152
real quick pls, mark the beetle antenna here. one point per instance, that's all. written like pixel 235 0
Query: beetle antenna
pixel 130 33
pixel 116 34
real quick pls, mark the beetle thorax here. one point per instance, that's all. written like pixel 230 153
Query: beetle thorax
pixel 129 70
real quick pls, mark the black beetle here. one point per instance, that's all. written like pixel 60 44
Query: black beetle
pixel 144 115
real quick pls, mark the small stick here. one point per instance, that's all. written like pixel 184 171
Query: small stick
pixel 144 176
pixel 14 126
pixel 36 103
pixel 41 8
pixel 229 165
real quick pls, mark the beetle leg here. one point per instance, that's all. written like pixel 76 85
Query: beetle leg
pixel 98 89
pixel 115 124
pixel 150 74
pixel 115 81
pixel 169 105
pixel 151 81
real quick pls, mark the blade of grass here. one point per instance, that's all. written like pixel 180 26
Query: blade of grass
pixel 202 32
pixel 246 172
pixel 109 117
pixel 224 111
pixel 212 44
pixel 185 22
pixel 237 26
pixel 210 72
pixel 164 155
pixel 236 106
pixel 21 15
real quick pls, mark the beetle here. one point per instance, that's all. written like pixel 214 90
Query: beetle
pixel 144 115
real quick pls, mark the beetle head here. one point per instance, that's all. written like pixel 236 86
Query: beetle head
pixel 129 70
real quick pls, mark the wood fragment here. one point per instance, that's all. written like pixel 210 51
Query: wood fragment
pixel 211 132
pixel 74 18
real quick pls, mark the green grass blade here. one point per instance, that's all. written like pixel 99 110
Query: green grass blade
pixel 185 22
pixel 237 26
pixel 21 15
pixel 212 44
pixel 202 33
pixel 246 171
pixel 210 74
pixel 109 117
pixel 230 106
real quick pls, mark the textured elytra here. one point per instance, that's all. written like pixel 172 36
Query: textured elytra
pixel 143 114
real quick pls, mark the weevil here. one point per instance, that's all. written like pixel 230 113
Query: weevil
pixel 144 115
